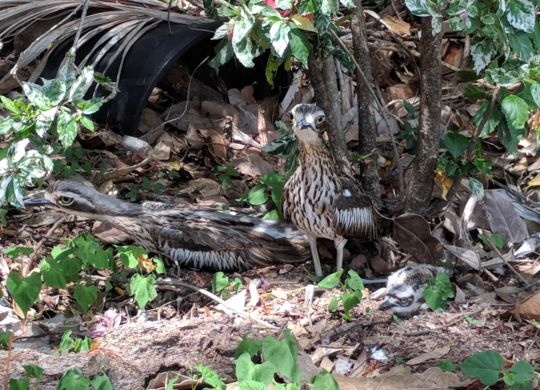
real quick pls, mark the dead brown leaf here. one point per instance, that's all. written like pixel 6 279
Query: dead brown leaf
pixel 437 353
pixel 413 235
pixel 529 308
pixel 397 25
pixel 432 378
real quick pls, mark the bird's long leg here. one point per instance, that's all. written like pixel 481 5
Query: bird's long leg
pixel 340 244
pixel 315 255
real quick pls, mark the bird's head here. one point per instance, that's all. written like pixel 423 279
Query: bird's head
pixel 308 121
pixel 81 198
pixel 403 300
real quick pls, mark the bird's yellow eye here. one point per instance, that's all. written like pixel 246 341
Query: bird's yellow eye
pixel 320 120
pixel 65 200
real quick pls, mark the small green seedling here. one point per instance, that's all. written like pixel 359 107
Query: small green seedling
pixel 351 292
pixel 446 365
pixel 264 364
pixel 438 292
pixel 74 344
pixel 222 285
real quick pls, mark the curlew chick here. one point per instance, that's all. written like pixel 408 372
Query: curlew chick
pixel 405 289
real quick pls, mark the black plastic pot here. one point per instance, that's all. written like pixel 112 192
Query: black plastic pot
pixel 146 62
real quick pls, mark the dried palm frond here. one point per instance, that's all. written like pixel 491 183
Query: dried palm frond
pixel 115 27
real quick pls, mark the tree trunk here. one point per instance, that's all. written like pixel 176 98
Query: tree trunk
pixel 322 73
pixel 367 128
pixel 420 189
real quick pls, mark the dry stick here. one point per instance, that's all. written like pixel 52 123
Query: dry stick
pixel 380 108
pixel 187 96
pixel 118 173
pixel 165 282
pixel 499 254
pixel 41 242
pixel 79 30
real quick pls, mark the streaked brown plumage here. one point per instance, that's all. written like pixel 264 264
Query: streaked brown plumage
pixel 196 237
pixel 319 199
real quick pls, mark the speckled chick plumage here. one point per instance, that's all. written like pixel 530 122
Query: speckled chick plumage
pixel 318 198
pixel 405 288
pixel 192 236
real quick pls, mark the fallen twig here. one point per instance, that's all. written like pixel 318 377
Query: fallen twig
pixel 170 282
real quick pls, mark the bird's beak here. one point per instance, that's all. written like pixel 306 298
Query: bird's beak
pixel 37 201
pixel 303 125
pixel 386 305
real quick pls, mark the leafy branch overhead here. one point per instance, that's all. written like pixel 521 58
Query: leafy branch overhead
pixel 290 30
pixel 43 123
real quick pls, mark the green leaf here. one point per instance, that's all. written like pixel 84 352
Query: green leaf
pixel 13 193
pixel 279 37
pixel 272 215
pixel 456 144
pixel 251 385
pixel 535 93
pixel 15 251
pixel 19 384
pixel 446 365
pixel 521 15
pixel 241 41
pixel 160 265
pixel 300 46
pixel 91 106
pixel 128 255
pixel 333 305
pixel 247 345
pixel 102 382
pixel 24 291
pixel 354 281
pixel 521 45
pixel 282 356
pixel 284 4
pixel 246 370
pixel 482 52
pixel 331 280
pixel 33 371
pixel 536 36
pixel 324 381
pixel 210 377
pixel 143 288
pixel 81 85
pixel 66 127
pixel 329 7
pixel 515 110
pixel 61 268
pixel 87 123
pixel 5 340
pixel 73 379
pixel 54 91
pixel 523 372
pixel 85 296
pixel 257 195
pixel 219 282
pixel 91 252
pixel 350 299
pixel 35 95
pixel 9 105
pixel 66 344
pixel 272 65
pixel 438 291
pixel 224 52
pixel 485 366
